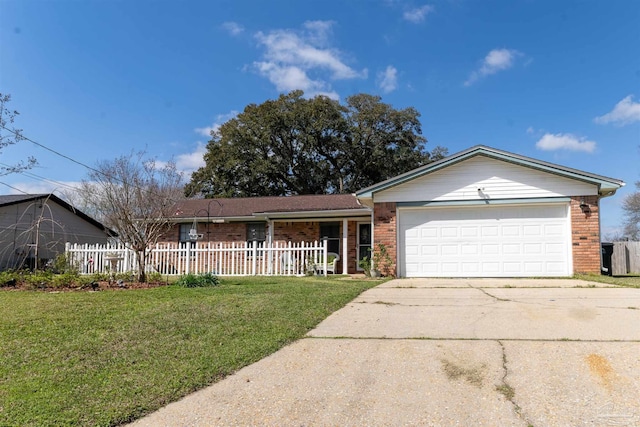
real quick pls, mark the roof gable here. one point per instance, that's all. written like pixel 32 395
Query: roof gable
pixel 606 186
pixel 13 199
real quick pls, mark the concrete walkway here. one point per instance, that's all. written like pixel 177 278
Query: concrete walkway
pixel 445 353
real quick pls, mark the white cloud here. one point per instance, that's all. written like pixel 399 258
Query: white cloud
pixel 319 31
pixel 303 60
pixel 625 112
pixel 388 79
pixel 233 28
pixel 220 119
pixel 418 14
pixel 42 187
pixel 565 141
pixel 496 60
pixel 189 162
pixel 530 130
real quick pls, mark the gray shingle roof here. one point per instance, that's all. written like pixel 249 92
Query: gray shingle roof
pixel 255 206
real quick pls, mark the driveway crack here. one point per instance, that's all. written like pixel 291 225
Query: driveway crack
pixel 507 390
pixel 489 295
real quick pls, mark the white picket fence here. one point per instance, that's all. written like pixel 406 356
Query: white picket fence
pixel 222 259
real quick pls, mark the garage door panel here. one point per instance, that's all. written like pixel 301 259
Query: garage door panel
pixel 485 241
pixel 428 232
pixel 429 250
pixel 554 248
pixel 511 231
pixel 492 249
pixel 467 232
pixel 532 230
pixel 532 248
pixel 489 231
pixel 448 250
pixel 469 250
pixel 511 249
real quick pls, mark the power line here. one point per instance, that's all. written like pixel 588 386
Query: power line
pixel 41 178
pixel 17 189
pixel 150 192
pixel 50 149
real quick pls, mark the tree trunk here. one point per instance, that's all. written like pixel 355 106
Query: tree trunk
pixel 142 275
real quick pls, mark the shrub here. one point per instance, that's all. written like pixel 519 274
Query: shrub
pixel 62 264
pixel 8 278
pixel 64 280
pixel 198 280
pixel 154 277
pixel 38 279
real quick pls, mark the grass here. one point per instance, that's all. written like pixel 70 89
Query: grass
pixel 107 358
pixel 631 281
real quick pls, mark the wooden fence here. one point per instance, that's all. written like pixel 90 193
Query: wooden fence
pixel 223 259
pixel 625 258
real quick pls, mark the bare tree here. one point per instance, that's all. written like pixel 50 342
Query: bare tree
pixel 133 196
pixel 9 135
pixel 631 208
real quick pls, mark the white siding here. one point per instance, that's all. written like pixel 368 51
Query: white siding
pixel 498 179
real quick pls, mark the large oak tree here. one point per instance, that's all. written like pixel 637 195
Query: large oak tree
pixel 294 145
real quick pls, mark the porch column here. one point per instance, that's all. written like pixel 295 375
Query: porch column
pixel 270 225
pixel 345 251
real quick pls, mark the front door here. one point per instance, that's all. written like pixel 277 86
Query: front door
pixel 364 242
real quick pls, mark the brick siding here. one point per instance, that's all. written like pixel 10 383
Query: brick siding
pixel 585 235
pixel 385 232
pixel 283 233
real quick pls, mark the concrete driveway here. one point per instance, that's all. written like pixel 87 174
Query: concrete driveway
pixel 445 352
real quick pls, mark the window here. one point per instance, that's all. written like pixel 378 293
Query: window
pixel 330 231
pixel 364 242
pixel 256 232
pixel 184 232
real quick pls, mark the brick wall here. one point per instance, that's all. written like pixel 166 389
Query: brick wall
pixel 227 232
pixel 283 233
pixel 296 232
pixel 385 223
pixel 585 235
pixel 352 232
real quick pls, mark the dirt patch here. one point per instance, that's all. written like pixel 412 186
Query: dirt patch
pixel 473 375
pixel 74 287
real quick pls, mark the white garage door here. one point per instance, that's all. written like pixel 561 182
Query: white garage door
pixel 487 241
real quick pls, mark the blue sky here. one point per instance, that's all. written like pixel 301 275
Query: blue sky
pixel 554 80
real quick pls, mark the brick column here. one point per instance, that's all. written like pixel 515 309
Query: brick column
pixel 585 235
pixel 384 231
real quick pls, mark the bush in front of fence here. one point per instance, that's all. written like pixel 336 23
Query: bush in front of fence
pixel 47 279
pixel 198 280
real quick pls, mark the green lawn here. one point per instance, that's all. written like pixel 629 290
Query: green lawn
pixel 631 281
pixel 109 357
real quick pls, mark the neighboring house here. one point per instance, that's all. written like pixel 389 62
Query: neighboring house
pixel 37 226
pixel 482 212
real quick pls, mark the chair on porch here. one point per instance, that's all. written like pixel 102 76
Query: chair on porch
pixel 332 263
pixel 288 263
